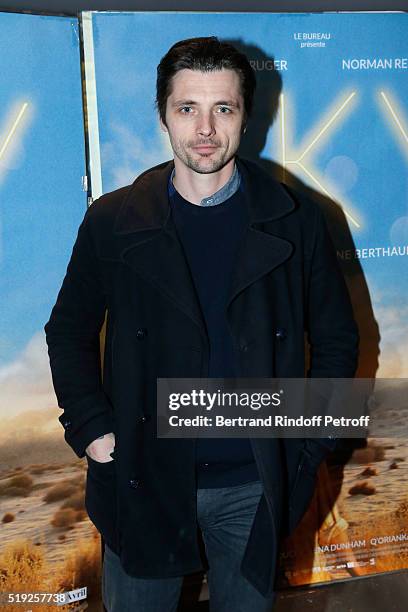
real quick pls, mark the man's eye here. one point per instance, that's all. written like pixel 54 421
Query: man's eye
pixel 183 108
pixel 225 108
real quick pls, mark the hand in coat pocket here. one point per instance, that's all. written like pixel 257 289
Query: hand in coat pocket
pixel 100 449
pixel 100 498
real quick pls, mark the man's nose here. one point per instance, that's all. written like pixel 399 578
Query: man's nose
pixel 205 125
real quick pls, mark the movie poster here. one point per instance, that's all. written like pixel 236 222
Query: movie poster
pixel 48 544
pixel 331 118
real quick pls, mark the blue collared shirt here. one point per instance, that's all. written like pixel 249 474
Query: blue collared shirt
pixel 230 187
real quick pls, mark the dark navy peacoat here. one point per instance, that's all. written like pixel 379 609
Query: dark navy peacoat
pixel 128 264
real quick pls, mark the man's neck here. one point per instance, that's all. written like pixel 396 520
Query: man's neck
pixel 195 187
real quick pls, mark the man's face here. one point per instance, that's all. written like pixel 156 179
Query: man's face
pixel 204 116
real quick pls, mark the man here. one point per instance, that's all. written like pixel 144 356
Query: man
pixel 206 266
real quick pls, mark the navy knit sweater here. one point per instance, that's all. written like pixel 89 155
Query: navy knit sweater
pixel 210 236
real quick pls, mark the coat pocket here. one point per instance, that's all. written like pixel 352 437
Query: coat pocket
pixel 100 498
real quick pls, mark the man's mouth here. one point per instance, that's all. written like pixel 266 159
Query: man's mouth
pixel 205 148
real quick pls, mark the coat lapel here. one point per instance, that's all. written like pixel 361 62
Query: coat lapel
pixel 260 252
pixel 160 260
pixel 150 245
pixel 152 248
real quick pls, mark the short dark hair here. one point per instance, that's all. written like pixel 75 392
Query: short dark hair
pixel 204 54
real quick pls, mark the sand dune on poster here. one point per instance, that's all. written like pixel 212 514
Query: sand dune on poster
pixel 47 537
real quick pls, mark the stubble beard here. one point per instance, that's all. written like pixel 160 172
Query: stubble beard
pixel 201 162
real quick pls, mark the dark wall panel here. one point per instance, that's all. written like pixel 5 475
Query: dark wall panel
pixel 73 6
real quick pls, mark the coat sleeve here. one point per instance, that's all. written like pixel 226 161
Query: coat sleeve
pixel 331 329
pixel 72 336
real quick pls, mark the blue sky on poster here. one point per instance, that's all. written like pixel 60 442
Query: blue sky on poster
pixel 42 202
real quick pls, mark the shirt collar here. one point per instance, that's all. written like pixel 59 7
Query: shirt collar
pixel 230 187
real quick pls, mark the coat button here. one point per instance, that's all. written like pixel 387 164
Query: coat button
pixel 141 333
pixel 66 424
pixel 134 483
pixel 244 348
pixel 144 418
pixel 280 333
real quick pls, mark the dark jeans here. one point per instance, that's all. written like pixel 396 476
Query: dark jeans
pixel 225 517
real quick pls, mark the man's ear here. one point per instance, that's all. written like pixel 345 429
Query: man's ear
pixel 162 126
